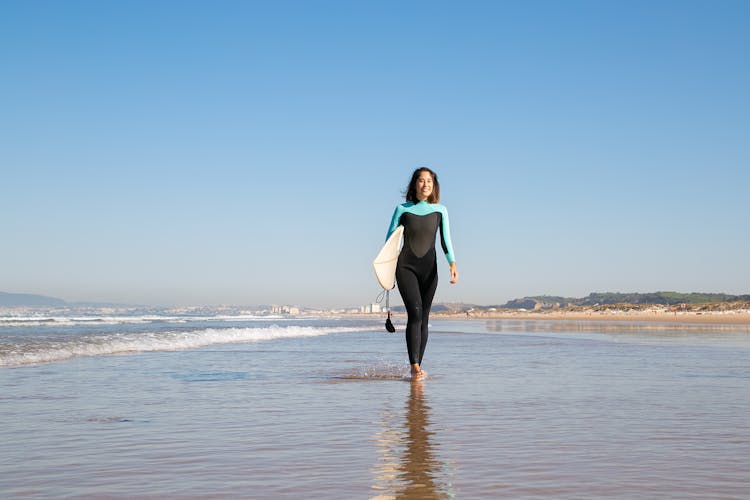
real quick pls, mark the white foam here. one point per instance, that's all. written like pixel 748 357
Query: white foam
pixel 124 343
pixel 42 320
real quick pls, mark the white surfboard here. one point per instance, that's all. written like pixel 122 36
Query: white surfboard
pixel 385 262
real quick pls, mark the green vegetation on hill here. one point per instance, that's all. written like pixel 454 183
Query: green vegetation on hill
pixel 608 298
pixel 665 298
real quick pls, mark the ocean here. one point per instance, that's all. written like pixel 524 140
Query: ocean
pixel 158 406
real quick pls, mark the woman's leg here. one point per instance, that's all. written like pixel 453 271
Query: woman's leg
pixel 427 289
pixel 408 287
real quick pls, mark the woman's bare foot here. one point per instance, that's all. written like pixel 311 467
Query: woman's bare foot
pixel 416 372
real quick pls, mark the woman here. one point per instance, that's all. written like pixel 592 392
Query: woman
pixel 416 271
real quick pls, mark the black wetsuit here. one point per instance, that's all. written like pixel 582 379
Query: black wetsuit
pixel 416 271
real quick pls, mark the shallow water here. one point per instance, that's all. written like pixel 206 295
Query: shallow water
pixel 516 409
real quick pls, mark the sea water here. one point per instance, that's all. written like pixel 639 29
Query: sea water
pixel 257 407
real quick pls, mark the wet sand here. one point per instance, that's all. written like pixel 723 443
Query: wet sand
pixel 719 318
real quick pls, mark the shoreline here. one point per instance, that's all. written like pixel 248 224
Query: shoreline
pixel 735 316
pixel 738 317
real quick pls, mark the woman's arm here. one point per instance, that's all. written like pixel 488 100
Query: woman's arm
pixel 445 240
pixel 445 236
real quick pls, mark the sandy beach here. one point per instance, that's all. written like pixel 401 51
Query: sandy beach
pixel 740 317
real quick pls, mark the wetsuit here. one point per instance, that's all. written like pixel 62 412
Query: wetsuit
pixel 416 270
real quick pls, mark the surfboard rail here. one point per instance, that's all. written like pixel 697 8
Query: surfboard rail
pixel 386 260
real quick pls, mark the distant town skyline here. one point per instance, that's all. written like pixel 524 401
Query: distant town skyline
pixel 32 302
pixel 171 153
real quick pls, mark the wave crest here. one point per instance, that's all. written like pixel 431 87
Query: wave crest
pixel 126 343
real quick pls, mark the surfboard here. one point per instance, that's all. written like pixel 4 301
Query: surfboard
pixel 385 262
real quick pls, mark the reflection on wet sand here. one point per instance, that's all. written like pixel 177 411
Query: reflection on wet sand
pixel 604 325
pixel 407 466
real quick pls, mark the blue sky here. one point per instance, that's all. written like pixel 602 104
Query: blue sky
pixel 234 152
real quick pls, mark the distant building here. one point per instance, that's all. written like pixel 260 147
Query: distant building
pixel 285 310
pixel 370 308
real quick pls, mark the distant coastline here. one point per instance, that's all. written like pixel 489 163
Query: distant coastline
pixel 719 313
pixel 668 307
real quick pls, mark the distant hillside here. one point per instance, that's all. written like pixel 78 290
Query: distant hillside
pixel 666 298
pixel 607 298
pixel 29 300
pixel 536 302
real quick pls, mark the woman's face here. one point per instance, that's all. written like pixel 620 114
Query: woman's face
pixel 424 185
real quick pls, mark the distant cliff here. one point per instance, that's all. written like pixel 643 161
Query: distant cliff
pixel 29 300
pixel 608 298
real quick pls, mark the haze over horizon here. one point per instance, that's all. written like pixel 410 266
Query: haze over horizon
pixel 172 153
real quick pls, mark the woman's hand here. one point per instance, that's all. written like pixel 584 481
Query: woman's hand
pixel 454 273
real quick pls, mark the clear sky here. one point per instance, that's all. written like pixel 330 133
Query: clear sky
pixel 238 152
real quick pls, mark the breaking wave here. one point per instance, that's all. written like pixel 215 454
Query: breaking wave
pixel 46 351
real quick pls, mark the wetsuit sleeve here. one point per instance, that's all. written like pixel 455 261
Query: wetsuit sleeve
pixel 445 236
pixel 394 222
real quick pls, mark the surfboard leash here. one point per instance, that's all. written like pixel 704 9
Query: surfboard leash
pixel 388 325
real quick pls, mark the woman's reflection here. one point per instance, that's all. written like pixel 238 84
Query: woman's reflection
pixel 419 469
pixel 417 474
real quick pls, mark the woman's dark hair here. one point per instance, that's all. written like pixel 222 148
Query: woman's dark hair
pixel 411 191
